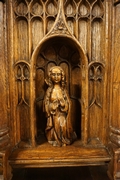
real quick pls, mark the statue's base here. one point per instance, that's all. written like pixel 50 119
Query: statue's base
pixel 45 155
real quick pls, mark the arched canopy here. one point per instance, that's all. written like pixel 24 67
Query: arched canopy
pixel 71 41
pixel 75 45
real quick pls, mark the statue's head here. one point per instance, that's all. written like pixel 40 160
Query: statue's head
pixel 56 75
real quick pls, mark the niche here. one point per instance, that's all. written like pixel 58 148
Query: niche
pixel 62 52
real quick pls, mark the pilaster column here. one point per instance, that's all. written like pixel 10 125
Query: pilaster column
pixel 114 135
pixel 4 138
pixel 4 129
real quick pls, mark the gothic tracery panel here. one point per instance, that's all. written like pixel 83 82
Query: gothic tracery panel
pixel 96 75
pixel 96 86
pixel 38 17
pixel 22 74
pixel 85 19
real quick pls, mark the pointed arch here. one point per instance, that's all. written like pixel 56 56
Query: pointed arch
pixel 72 42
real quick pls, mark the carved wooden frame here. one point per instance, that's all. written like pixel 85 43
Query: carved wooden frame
pixel 98 55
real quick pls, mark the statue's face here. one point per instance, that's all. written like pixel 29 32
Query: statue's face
pixel 56 75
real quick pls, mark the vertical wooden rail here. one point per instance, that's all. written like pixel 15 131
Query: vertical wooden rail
pixel 114 118
pixel 4 140
pixel 4 129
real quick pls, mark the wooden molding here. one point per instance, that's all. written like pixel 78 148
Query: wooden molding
pixel 75 35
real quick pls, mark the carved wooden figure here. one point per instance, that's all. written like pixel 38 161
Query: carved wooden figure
pixel 81 39
pixel 57 106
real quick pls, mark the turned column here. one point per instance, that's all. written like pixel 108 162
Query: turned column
pixel 114 136
pixel 4 105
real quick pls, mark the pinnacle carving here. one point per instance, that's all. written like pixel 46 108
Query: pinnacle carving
pixel 60 26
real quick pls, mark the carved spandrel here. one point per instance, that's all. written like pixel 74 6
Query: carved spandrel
pixel 60 26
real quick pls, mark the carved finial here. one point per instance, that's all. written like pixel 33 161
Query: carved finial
pixel 60 26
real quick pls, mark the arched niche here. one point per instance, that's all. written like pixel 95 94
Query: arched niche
pixel 67 53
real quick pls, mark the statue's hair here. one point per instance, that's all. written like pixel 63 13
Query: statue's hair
pixel 63 80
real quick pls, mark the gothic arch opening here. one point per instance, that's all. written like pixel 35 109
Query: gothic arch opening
pixel 66 53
